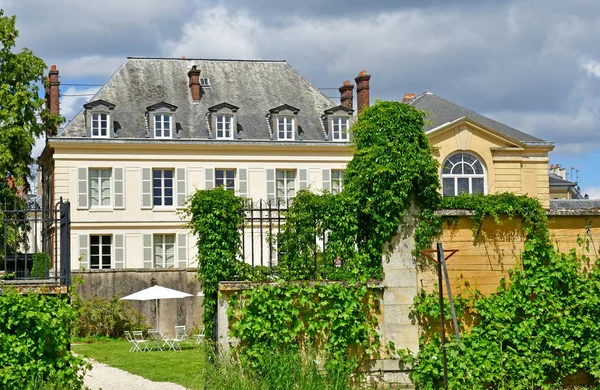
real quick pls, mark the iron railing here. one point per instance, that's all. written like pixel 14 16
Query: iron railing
pixel 36 242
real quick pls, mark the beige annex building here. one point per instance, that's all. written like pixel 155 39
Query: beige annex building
pixel 159 129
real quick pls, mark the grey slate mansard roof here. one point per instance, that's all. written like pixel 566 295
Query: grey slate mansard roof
pixel 253 86
pixel 440 111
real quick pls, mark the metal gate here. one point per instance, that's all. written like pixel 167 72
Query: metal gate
pixel 36 242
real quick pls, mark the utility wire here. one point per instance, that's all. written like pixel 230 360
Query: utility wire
pixel 78 94
pixel 82 85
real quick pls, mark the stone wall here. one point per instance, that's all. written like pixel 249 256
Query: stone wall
pixel 185 311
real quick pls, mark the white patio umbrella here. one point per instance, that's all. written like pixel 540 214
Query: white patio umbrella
pixel 155 293
pixel 200 294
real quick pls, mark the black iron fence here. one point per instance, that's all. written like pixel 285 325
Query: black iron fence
pixel 264 223
pixel 36 242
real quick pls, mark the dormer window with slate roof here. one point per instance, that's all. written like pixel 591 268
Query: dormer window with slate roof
pixel 284 122
pixel 99 119
pixel 338 121
pixel 162 120
pixel 223 121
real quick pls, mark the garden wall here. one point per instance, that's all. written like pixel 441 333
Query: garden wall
pixel 185 311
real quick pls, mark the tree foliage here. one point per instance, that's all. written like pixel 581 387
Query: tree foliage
pixel 22 117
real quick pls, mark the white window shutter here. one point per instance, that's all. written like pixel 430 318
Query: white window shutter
pixel 119 240
pixel 119 187
pixel 270 173
pixel 82 188
pixel 182 250
pixel 327 180
pixel 147 250
pixel 84 251
pixel 181 182
pixel 146 188
pixel 209 178
pixel 243 182
pixel 302 179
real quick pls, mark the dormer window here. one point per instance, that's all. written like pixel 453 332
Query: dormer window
pixel 100 125
pixel 162 126
pixel 223 121
pixel 285 128
pixel 340 129
pixel 224 126
pixel 284 122
pixel 336 122
pixel 161 120
pixel 99 118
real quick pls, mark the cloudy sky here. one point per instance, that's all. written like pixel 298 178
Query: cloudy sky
pixel 534 65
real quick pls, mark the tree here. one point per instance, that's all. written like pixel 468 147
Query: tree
pixel 22 116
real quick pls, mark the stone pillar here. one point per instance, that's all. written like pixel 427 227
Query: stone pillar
pixel 400 288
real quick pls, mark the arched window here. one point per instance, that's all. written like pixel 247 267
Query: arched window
pixel 463 172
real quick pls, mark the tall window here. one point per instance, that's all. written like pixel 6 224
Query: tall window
pixel 337 181
pixel 162 187
pixel 162 126
pixel 100 252
pixel 164 250
pixel 100 187
pixel 463 173
pixel 340 129
pixel 224 123
pixel 285 185
pixel 285 128
pixel 100 124
pixel 225 178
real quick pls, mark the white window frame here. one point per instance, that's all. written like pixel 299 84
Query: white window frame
pixel 223 181
pixel 101 132
pixel 337 183
pixel 162 122
pixel 164 244
pixel 469 176
pixel 288 128
pixel 163 187
pixel 223 120
pixel 286 187
pixel 100 251
pixel 98 182
pixel 339 128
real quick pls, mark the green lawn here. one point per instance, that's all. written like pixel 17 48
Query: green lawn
pixel 183 367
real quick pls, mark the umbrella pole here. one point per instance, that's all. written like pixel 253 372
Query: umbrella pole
pixel 157 312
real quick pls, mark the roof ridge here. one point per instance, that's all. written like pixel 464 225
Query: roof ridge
pixel 200 59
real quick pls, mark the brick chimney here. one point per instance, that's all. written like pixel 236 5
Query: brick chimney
pixel 362 90
pixel 347 94
pixel 194 76
pixel 408 97
pixel 52 95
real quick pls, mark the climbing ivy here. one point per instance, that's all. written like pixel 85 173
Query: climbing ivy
pixel 216 219
pixel 339 319
pixel 537 329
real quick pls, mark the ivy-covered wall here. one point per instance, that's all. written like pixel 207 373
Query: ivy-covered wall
pixel 482 262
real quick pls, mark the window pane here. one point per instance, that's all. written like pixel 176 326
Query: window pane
pixel 106 240
pixel 447 167
pixel 157 173
pixel 478 185
pixel 448 187
pixel 457 169
pixel 468 170
pixel 463 185
pixel 478 168
pixel 168 173
pixel 219 174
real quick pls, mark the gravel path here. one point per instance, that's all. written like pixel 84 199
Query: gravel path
pixel 104 377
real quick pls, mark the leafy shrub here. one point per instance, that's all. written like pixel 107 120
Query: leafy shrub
pixel 101 317
pixel 41 265
pixel 34 339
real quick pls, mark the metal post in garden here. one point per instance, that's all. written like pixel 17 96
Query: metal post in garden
pixel 441 267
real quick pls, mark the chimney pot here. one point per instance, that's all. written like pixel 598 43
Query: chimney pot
pixel 53 67
pixel 194 78
pixel 362 90
pixel 347 94
pixel 183 57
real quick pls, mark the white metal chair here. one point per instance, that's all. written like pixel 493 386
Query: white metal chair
pixel 135 344
pixel 175 343
pixel 156 336
pixel 200 336
pixel 138 336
